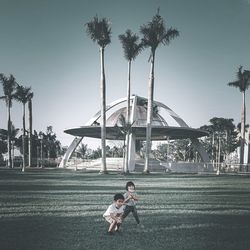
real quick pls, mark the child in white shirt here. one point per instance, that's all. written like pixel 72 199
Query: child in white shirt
pixel 113 214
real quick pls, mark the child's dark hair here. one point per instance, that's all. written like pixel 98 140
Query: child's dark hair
pixel 130 183
pixel 118 196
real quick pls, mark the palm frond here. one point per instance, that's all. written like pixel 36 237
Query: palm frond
pixel 9 85
pixel 243 80
pixel 235 84
pixel 131 45
pixel 99 31
pixel 22 93
pixel 155 33
pixel 170 35
pixel 239 72
pixel 30 95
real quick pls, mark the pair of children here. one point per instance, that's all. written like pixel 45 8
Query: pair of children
pixel 121 207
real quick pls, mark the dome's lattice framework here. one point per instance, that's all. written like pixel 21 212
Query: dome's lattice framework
pixel 160 128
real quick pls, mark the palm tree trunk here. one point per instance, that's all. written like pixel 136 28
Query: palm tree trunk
pixel 23 137
pixel 13 151
pixel 149 113
pixel 219 150
pixel 227 152
pixel 9 138
pixel 243 124
pixel 126 170
pixel 30 132
pixel 213 150
pixel 103 113
pixel 41 154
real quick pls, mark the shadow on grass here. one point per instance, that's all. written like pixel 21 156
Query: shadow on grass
pixel 63 210
pixel 159 232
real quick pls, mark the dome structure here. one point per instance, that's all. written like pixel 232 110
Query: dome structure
pixel 141 117
pixel 161 130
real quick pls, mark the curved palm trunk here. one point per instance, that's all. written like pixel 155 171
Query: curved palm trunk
pixel 243 124
pixel 23 137
pixel 30 132
pixel 103 113
pixel 149 113
pixel 9 138
pixel 126 170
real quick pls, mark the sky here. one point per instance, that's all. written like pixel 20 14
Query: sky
pixel 44 44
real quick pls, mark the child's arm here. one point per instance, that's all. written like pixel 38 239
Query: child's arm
pixel 115 217
pixel 136 198
pixel 127 199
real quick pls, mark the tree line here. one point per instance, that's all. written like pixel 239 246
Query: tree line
pixel 32 144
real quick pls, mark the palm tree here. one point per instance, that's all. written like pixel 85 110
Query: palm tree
pixel 154 34
pixel 13 135
pixel 100 32
pixel 9 85
pixel 82 150
pixel 242 83
pixel 22 95
pixel 30 96
pixel 131 48
pixel 49 140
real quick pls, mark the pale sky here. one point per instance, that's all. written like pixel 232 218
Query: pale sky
pixel 43 43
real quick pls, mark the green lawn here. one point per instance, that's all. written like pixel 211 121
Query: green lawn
pixel 58 209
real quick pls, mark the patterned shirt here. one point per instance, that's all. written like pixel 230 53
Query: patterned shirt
pixel 112 209
pixel 130 202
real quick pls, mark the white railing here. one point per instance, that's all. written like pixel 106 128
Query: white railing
pixel 113 164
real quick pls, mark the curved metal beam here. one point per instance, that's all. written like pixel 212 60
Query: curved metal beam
pixel 90 122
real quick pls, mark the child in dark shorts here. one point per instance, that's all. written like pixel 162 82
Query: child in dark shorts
pixel 130 201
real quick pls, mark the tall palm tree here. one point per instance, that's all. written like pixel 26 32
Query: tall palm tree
pixel 9 85
pixel 100 32
pixel 22 95
pixel 131 47
pixel 30 96
pixel 154 34
pixel 242 83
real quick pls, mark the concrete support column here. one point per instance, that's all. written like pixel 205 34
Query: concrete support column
pixel 131 153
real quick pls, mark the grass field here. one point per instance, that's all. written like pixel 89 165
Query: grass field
pixel 58 209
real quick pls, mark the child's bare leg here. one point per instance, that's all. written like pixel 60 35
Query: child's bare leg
pixel 117 226
pixel 112 225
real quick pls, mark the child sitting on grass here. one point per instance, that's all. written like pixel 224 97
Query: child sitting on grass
pixel 130 201
pixel 113 214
